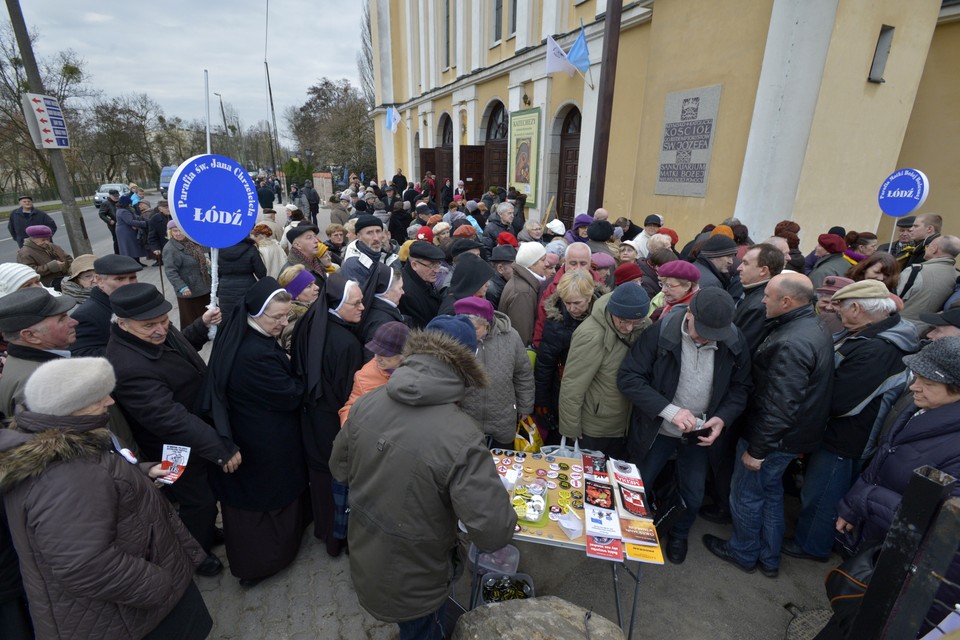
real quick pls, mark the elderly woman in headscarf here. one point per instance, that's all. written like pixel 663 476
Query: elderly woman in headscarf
pixel 187 267
pixel 302 286
pixel 102 551
pixel 271 252
pixel 326 355
pixel 255 400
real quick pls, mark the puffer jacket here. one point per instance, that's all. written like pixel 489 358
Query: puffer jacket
pixel 916 439
pixel 793 383
pixel 590 401
pixel 509 395
pixel 113 569
pixel 403 534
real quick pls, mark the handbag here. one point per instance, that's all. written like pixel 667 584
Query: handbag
pixel 847 583
pixel 528 437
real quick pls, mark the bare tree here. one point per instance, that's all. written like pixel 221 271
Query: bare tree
pixel 365 59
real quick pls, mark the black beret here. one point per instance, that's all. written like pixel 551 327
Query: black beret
pixel 463 245
pixel 299 230
pixel 366 220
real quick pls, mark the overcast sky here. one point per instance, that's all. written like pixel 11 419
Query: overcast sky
pixel 162 47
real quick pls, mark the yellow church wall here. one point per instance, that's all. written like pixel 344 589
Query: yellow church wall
pixel 691 44
pixel 859 126
pixel 932 140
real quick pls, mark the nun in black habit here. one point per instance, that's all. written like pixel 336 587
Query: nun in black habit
pixel 326 354
pixel 255 400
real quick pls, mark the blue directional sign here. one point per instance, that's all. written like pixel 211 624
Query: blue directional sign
pixel 903 192
pixel 44 117
pixel 213 200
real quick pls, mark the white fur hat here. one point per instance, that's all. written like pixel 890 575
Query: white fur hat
pixel 556 227
pixel 61 387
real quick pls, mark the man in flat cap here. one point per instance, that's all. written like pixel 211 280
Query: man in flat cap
pixel 26 215
pixel 303 250
pixel 159 382
pixel 869 376
pixel 421 300
pixel 93 316
pixel 37 329
pixel 904 243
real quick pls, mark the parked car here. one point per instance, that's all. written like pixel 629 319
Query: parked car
pixel 166 174
pixel 104 189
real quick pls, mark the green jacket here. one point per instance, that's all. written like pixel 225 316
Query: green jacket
pixel 590 402
pixel 416 464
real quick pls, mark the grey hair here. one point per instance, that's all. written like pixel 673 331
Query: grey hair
pixel 477 321
pixel 503 206
pixel 873 307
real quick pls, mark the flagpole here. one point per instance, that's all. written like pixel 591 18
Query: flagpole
pixel 608 74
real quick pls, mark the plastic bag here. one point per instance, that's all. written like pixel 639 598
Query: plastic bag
pixel 563 450
pixel 528 436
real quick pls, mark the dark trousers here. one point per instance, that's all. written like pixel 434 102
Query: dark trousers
pixel 198 506
pixel 113 233
pixel 429 627
pixel 189 619
pixel 722 455
pixel 691 476
pixel 15 619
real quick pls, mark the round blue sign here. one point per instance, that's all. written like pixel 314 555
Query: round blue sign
pixel 213 200
pixel 903 192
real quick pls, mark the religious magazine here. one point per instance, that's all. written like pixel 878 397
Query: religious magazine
pixel 625 473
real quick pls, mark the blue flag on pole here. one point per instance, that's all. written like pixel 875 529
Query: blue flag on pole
pixel 344 179
pixel 579 54
pixel 363 178
pixel 393 119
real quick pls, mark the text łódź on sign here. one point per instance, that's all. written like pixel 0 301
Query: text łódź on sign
pixel 903 192
pixel 213 200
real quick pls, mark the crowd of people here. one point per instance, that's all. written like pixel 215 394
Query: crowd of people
pixel 359 377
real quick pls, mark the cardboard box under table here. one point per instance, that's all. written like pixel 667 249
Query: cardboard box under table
pixel 549 491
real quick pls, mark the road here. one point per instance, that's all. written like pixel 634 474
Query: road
pixel 100 238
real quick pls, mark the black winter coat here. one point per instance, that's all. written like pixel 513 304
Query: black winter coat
pixel 93 328
pixel 11 585
pixel 710 276
pixel 240 268
pixel 751 316
pixel 650 280
pixel 558 328
pixel 380 313
pixel 650 373
pixel 869 376
pixel 342 357
pixel 495 290
pixel 420 301
pixel 399 221
pixel 793 384
pixel 159 387
pixel 264 407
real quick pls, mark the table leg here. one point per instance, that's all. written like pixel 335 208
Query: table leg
pixel 616 594
pixel 636 600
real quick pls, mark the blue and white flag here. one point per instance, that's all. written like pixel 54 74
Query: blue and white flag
pixel 579 54
pixel 393 119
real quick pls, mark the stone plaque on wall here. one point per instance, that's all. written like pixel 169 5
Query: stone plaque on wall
pixel 689 120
